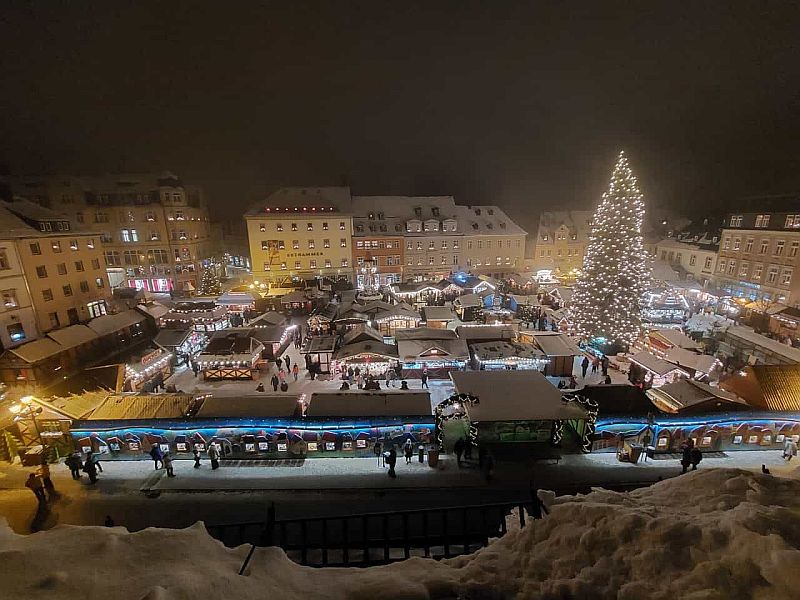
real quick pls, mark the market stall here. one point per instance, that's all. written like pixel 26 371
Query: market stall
pixel 319 349
pixel 200 316
pixel 181 342
pixel 437 350
pixel 231 355
pixel 492 356
pixel 653 371
pixel 147 372
pixel 237 302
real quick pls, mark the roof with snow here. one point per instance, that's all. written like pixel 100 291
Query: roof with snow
pixel 513 396
pixel 686 395
pixel 358 403
pixel 673 337
pixel 555 344
pixel 107 324
pixel 654 364
pixel 151 406
pixel 252 406
pixel 768 387
pixel 370 347
pixel 438 313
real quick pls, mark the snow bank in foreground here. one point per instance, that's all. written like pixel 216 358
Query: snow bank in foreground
pixel 708 534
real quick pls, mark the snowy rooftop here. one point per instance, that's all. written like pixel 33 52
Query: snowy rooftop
pixel 358 403
pixel 555 344
pixel 653 363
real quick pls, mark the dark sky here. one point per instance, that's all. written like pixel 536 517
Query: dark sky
pixel 522 104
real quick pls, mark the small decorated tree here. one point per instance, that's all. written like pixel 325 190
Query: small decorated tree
pixel 209 283
pixel 606 305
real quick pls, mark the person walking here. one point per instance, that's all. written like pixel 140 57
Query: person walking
pixel 295 371
pixel 213 456
pixel 686 456
pixel 584 366
pixel 109 522
pixel 424 377
pixel 595 364
pixel 391 460
pixel 789 449
pixel 156 454
pixel 196 456
pixel 387 377
pixel 604 365
pixel 44 473
pixel 288 363
pixel 75 465
pixel 90 468
pixel 279 363
pixel 695 456
pixel 378 450
pixel 458 448
pixel 35 484
pixel 168 465
pixel 95 459
pixel 275 383
pixel 408 451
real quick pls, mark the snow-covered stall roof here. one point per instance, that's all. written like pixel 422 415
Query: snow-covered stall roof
pixel 514 396
pixel 151 406
pixel 268 319
pixel 555 344
pixel 673 337
pixel 37 350
pixel 169 339
pixel 72 336
pixel 154 310
pixel 357 403
pixel 231 298
pixel 111 323
pixel 468 301
pixel 438 313
pixel 703 363
pixel 253 406
pixel 444 349
pixel 654 364
pixel 366 348
pixel 499 350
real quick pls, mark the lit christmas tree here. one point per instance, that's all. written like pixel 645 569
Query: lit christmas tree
pixel 209 284
pixel 606 304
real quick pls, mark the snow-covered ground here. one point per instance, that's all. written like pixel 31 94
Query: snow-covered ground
pixel 718 533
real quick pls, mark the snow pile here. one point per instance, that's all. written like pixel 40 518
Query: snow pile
pixel 708 534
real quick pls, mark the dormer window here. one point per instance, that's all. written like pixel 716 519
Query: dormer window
pixel 418 212
pixel 490 211
pixel 380 216
pixel 435 211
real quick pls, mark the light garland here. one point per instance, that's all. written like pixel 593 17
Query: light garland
pixel 607 301
pixel 137 376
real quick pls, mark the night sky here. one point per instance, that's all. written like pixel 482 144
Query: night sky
pixel 521 104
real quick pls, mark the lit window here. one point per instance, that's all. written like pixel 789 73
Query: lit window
pixel 296 244
pixel 311 244
pixel 283 266
pixel 325 226
pixel 341 225
pixel 344 262
pixel 326 243
pixel 343 243
pixel 312 263
pixel 327 263
pixel 294 226
pixel 280 226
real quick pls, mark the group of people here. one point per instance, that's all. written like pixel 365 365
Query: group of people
pixel 595 363
pixel 387 457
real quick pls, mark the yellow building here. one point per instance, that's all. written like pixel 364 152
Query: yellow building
pixel 51 275
pixel 561 242
pixel 154 229
pixel 301 233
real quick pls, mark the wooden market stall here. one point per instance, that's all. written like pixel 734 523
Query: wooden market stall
pixel 231 355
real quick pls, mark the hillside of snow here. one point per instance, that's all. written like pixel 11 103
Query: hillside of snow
pixel 715 533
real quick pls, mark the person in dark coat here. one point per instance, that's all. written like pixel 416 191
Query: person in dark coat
pixel 404 385
pixel 604 365
pixel 196 456
pixel 91 456
pixel 213 456
pixel 288 364
pixel 398 369
pixel 157 455
pixel 109 522
pixel 378 450
pixel 75 465
pixel 260 386
pixel 279 363
pixel 275 383
pixel 35 484
pixel 168 465
pixel 686 457
pixel 459 450
pixel 424 377
pixel 695 456
pixel 391 460
pixel 90 468
pixel 584 366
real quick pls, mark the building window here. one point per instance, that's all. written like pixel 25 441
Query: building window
pixel 343 243
pixel 793 249
pixel 294 226
pixel 772 274
pixel 113 258
pixel 762 221
pixel 748 245
pixel 743 269
pixel 736 221
pixel 360 261
pixel 757 270
pixel 731 267
pixel 324 226
pixel 16 332
pixel 444 259
pixel 779 245
pixel 295 244
pixel 726 243
pixel 297 264
pixel 311 244
pixel 692 260
pixel 431 245
pixel 709 260
pixel 35 248
pixel 280 227
pixel 101 217
pixel 344 262
pixel 430 260
pixel 95 263
pixel 786 276
pixel 85 287
pixel 721 265
pixel 67 289
pixel 283 266
pixel 47 295
pixel 73 244
pixel 96 308
pixel 131 235
pixel 79 217
pixel 309 226
pixel 764 247
pixel 327 263
pixel 409 245
pixel 444 244
pixel 737 243
pixel 312 263
pixel 264 245
pixel 10 299
pixel 326 243
pixel 106 238
pixel 62 268
pixel 130 257
pixel 341 225
pixel 41 271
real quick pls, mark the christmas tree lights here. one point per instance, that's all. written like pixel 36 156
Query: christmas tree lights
pixel 209 284
pixel 606 305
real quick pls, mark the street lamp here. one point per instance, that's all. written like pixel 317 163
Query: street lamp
pixel 26 408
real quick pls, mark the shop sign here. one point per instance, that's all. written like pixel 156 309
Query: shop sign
pixel 151 357
pixel 52 434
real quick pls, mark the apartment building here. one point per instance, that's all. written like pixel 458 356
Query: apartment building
pixel 440 237
pixel 758 256
pixel 154 230
pixel 301 233
pixel 694 260
pixel 51 276
pixel 378 243
pixel 561 241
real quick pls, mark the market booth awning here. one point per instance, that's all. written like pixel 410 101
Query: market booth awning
pixel 514 396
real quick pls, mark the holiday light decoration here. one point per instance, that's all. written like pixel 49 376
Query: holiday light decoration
pixel 209 284
pixel 606 305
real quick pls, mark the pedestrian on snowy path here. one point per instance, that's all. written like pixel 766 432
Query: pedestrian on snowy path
pixel 44 473
pixel 424 377
pixel 408 451
pixel 695 456
pixel 378 450
pixel 295 371
pixel 789 449
pixel 157 455
pixel 604 365
pixel 168 465
pixel 275 383
pixel 279 363
pixel 35 484
pixel 288 363
pixel 75 465
pixel 196 455
pixel 213 456
pixel 391 460
pixel 95 459
pixel 90 469
pixel 584 366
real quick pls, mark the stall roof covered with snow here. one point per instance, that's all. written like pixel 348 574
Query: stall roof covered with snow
pixel 514 396
pixel 438 313
pixel 432 347
pixel 655 365
pixel 555 344
pixel 268 319
pixel 366 349
pixel 151 406
pixel 357 403
pixel 108 324
pixel 673 338
pixel 685 396
pixel 485 333
pixel 254 406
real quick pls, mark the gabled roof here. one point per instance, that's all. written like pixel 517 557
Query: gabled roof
pixel 768 387
pixel 412 349
pixel 169 339
pixel 674 337
pixel 231 298
pixel 653 363
pixel 398 312
pixel 362 333
pixel 369 347
pixel 72 336
pixel 685 394
pixel 468 301
pixel 320 343
pixel 501 350
pixel 425 333
pixel 111 323
pixel 514 396
pixel 438 313
pixel 132 406
pixel 37 350
pixel 268 319
pixel 555 344
pixel 703 363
